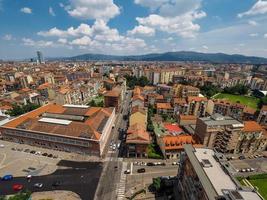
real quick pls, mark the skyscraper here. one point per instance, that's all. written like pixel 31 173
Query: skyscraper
pixel 40 58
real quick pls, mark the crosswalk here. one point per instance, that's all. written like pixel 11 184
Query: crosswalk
pixel 121 184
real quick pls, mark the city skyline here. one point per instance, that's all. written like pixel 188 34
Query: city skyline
pixel 118 27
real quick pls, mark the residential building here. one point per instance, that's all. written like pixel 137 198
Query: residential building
pixel 113 98
pixel 164 108
pixel 252 138
pixel 262 118
pixel 203 175
pixel 219 132
pixel 72 128
pixel 183 91
pixel 138 116
pixel 170 138
pixel 186 120
pixel 197 106
pixel 137 141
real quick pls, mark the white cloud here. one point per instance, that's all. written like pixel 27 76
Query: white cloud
pixel 173 16
pixel 26 10
pixel 63 40
pixel 205 47
pixel 265 35
pixel 83 41
pixel 260 7
pixel 92 9
pixel 7 37
pixel 40 43
pixel 51 11
pixel 83 29
pixel 142 31
pixel 61 5
pixel 97 38
pixel 253 34
pixel 181 25
pixel 252 23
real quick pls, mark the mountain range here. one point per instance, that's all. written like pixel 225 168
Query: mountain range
pixel 174 56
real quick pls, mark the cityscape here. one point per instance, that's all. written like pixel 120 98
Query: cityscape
pixel 138 100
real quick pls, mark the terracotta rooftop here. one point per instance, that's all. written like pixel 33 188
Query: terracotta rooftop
pixel 179 101
pixel 190 99
pixel 176 142
pixel 44 86
pixel 251 126
pixel 163 106
pixel 174 128
pixel 90 127
pixel 187 117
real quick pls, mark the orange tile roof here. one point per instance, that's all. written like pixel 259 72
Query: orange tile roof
pixel 187 117
pixel 138 109
pixel 251 126
pixel 90 126
pixel 176 142
pixel 179 101
pixel 44 86
pixel 137 135
pixel 6 107
pixel 163 106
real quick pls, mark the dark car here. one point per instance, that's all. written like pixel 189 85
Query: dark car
pixel 44 154
pixel 242 157
pixel 33 152
pixel 50 155
pixel 125 117
pixel 27 150
pixel 141 170
pixel 150 164
pixel 56 183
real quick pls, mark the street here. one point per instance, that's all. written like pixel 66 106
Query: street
pixel 78 177
pixel 107 188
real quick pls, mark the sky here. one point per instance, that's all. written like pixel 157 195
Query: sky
pixel 131 27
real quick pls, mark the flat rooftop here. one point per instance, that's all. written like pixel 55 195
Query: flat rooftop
pixel 217 119
pixel 211 174
pixel 71 120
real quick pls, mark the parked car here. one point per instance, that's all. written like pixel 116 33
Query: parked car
pixel 174 163
pixel 7 177
pixel 141 170
pixel 38 185
pixel 127 171
pixel 242 157
pixel 44 154
pixel 33 152
pixel 2 145
pixel 50 155
pixel 27 150
pixel 17 187
pixel 150 164
pixel 56 183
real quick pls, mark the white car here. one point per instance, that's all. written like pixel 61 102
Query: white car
pixel 2 146
pixel 38 185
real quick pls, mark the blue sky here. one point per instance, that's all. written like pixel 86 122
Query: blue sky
pixel 124 27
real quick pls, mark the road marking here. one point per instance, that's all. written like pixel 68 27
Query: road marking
pixel 3 160
pixel 121 184
pixel 131 168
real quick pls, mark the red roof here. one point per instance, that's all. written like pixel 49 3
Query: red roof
pixel 173 127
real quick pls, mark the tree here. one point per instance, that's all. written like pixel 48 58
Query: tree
pixel 210 90
pixel 262 102
pixel 21 109
pixel 237 89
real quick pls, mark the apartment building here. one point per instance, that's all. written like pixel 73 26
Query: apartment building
pixel 227 108
pixel 183 91
pixel 203 175
pixel 197 106
pixel 219 132
pixel 72 128
pixel 170 138
pixel 164 108
pixel 252 138
pixel 262 118
pixel 113 98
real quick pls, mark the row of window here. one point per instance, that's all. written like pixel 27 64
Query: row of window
pixel 47 138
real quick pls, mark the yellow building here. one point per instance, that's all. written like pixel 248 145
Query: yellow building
pixel 139 116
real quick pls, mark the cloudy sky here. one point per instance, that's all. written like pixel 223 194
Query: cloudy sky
pixel 123 27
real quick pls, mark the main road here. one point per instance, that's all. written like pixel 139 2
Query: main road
pixel 107 186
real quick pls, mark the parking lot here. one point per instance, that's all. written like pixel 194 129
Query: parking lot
pixel 22 160
pixel 249 166
pixel 79 177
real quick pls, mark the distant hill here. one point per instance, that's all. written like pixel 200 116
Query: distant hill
pixel 174 56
